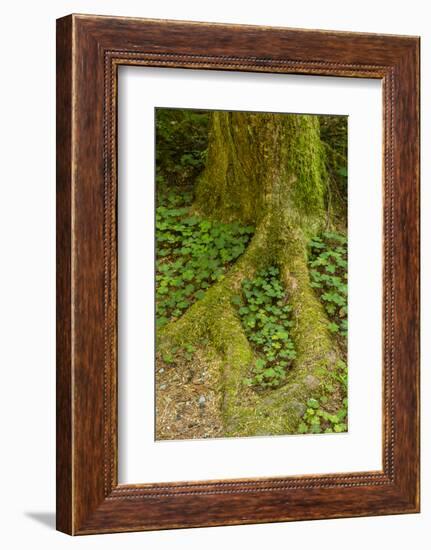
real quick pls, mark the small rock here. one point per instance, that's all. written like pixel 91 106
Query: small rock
pixel 312 382
pixel 332 356
pixel 202 401
pixel 295 407
pixel 161 371
pixel 163 387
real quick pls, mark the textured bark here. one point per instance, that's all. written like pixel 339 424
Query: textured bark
pixel 261 164
pixel 269 171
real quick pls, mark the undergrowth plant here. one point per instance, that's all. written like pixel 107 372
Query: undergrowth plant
pixel 192 254
pixel 318 417
pixel 178 353
pixel 265 315
pixel 181 143
pixel 328 273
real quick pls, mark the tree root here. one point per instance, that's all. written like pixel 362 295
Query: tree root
pixel 214 321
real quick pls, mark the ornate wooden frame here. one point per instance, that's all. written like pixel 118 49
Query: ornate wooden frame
pixel 89 51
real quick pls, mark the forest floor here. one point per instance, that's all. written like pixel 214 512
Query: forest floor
pixel 188 399
pixel 193 254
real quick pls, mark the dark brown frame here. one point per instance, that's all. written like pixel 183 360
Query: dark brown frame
pixel 89 51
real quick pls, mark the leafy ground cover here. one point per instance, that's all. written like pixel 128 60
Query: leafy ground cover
pixel 319 418
pixel 265 315
pixel 181 144
pixel 328 273
pixel 192 254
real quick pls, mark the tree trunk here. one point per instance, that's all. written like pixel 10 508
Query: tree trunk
pixel 269 171
pixel 264 164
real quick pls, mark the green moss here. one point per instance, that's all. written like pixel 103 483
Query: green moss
pixel 215 193
pixel 306 158
pixel 259 164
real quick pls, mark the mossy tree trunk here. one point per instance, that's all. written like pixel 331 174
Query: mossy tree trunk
pixel 261 164
pixel 267 170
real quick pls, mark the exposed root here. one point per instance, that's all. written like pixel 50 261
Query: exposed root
pixel 214 320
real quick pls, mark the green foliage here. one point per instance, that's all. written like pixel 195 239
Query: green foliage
pixel 265 316
pixel 181 144
pixel 191 254
pixel 177 354
pixel 328 273
pixel 306 159
pixel 333 132
pixel 318 417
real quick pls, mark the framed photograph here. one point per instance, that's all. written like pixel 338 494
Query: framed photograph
pixel 237 274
